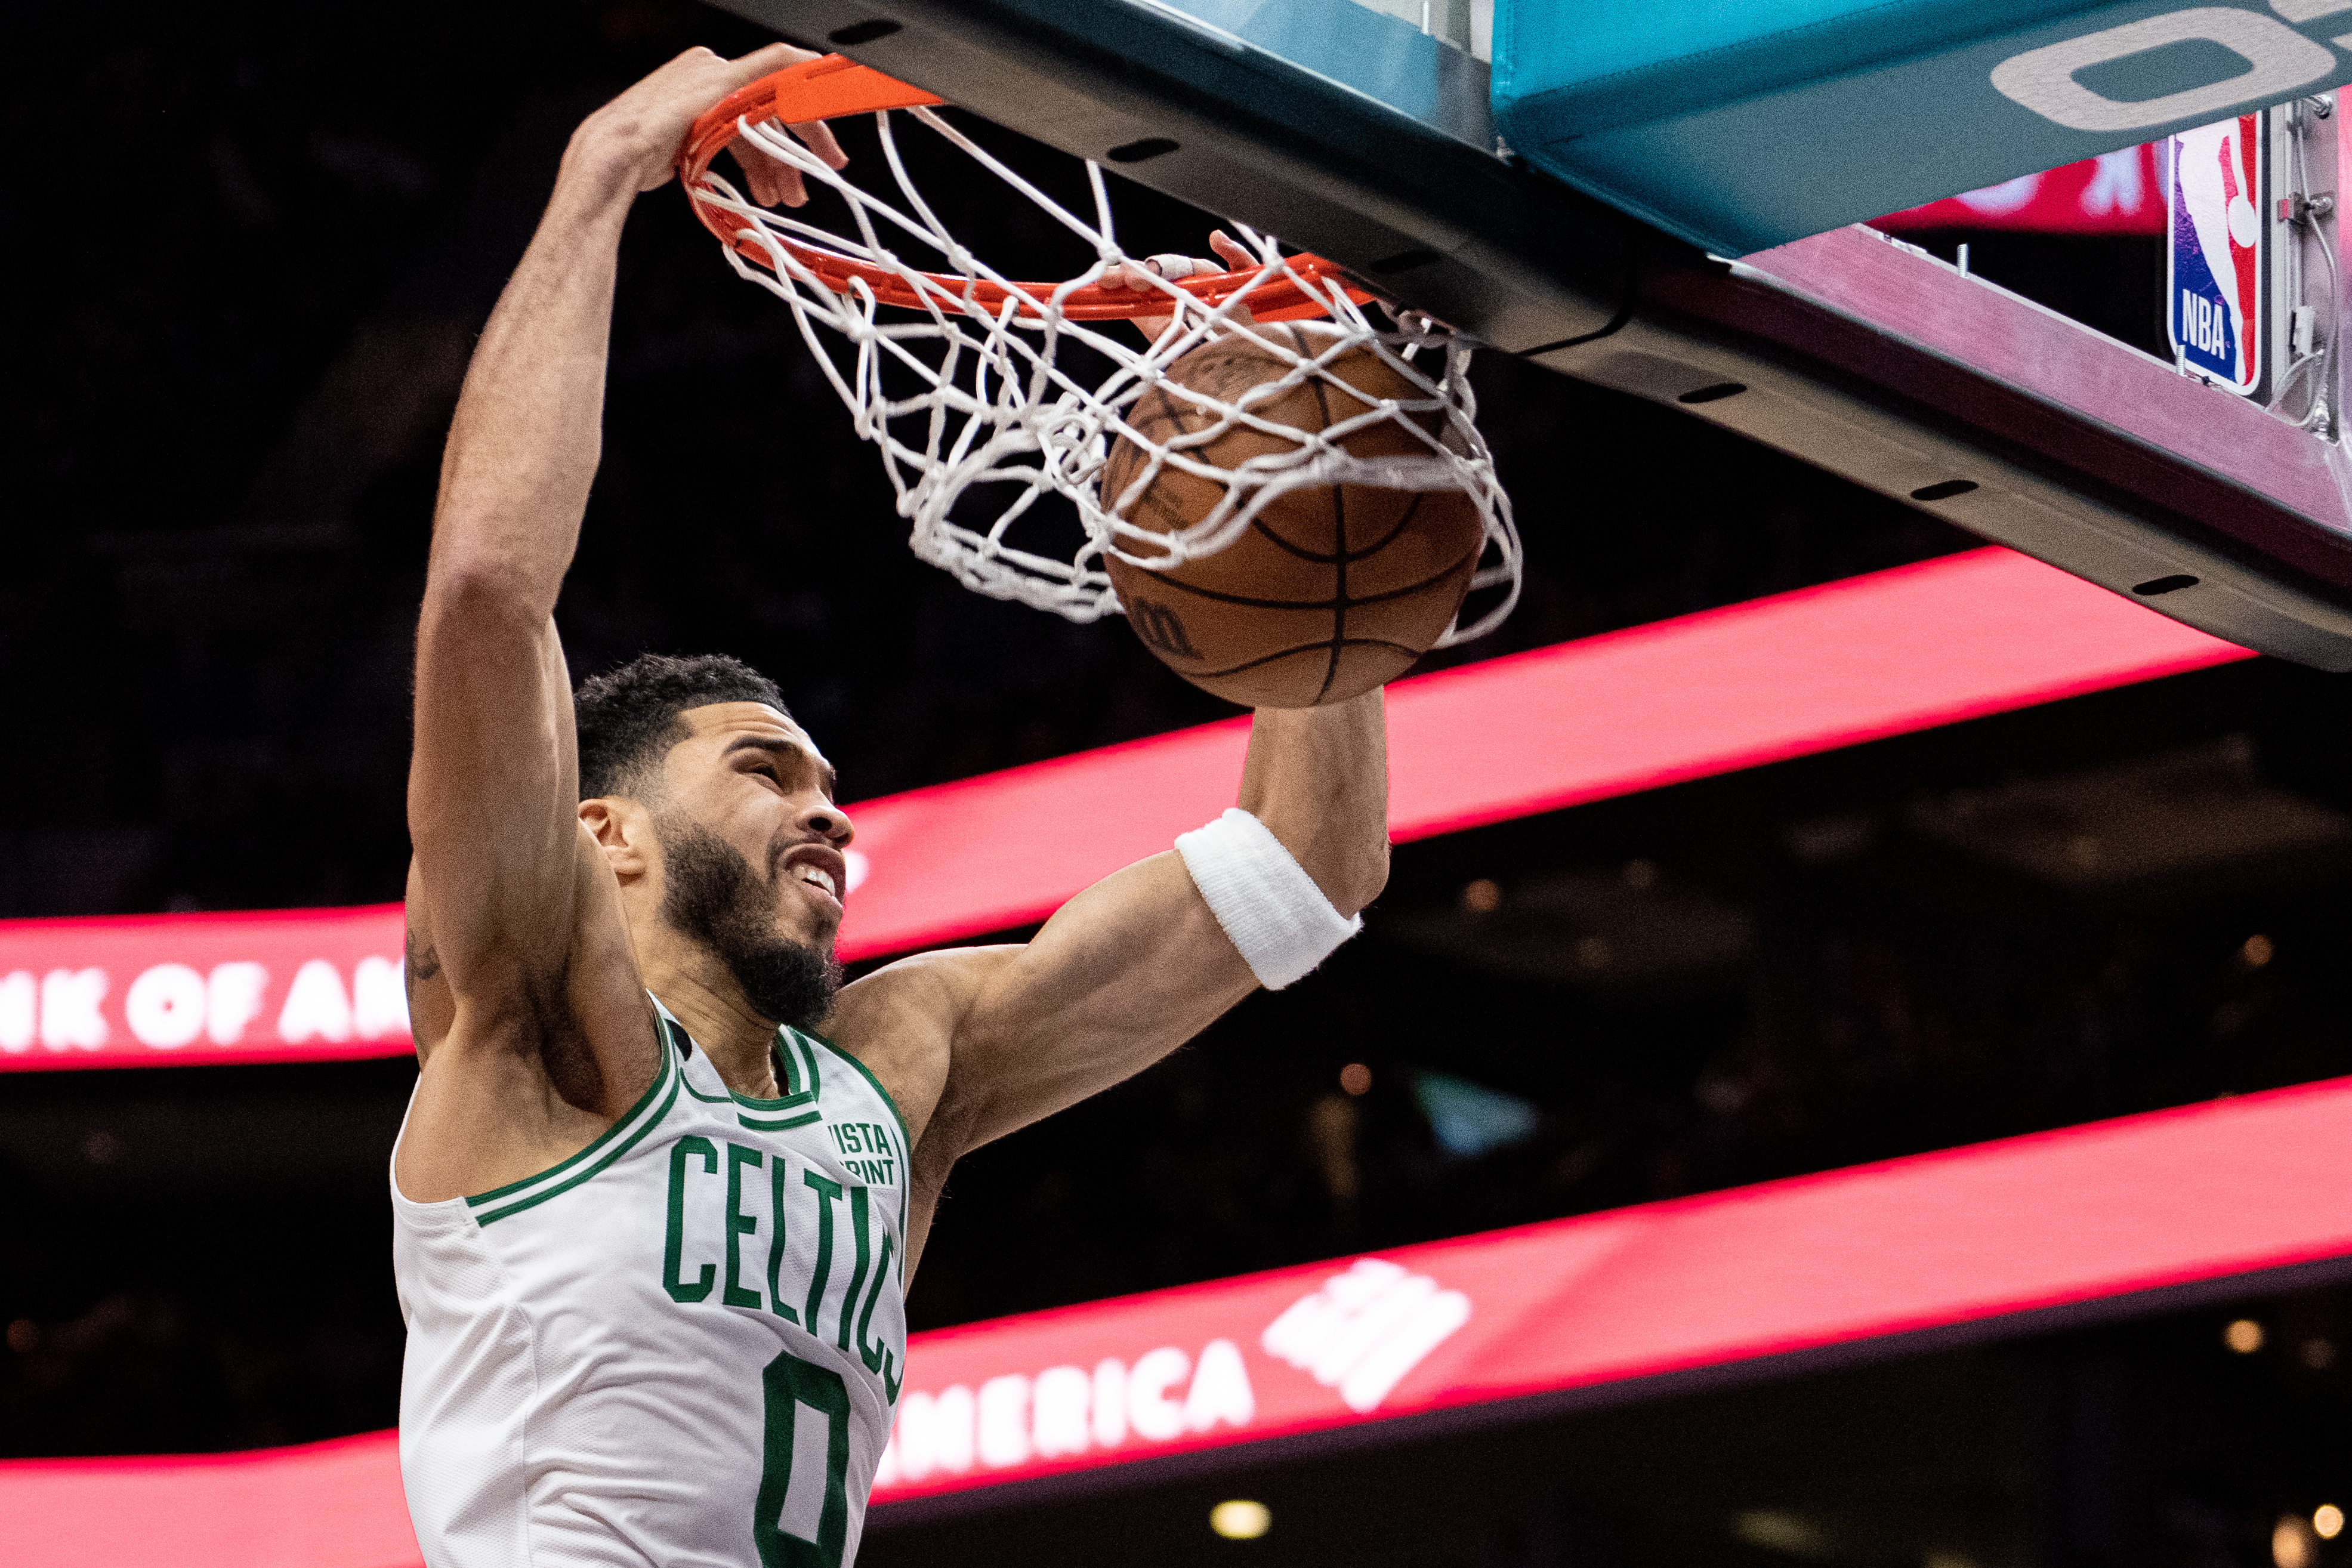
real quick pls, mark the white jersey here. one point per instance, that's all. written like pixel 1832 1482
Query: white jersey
pixel 680 1347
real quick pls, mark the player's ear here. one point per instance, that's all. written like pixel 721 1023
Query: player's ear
pixel 624 830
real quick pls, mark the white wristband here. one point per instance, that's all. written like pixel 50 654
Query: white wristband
pixel 1268 903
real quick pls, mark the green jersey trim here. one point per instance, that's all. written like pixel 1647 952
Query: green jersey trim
pixel 790 1071
pixel 797 1074
pixel 674 1033
pixel 622 1136
pixel 786 1125
pixel 706 1099
pixel 634 1138
pixel 905 1138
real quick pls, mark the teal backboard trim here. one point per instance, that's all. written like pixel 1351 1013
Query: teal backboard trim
pixel 1743 124
pixel 1381 57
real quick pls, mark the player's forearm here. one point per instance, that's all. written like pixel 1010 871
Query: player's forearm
pixel 1318 778
pixel 524 445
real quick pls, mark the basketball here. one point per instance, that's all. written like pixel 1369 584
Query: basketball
pixel 1333 589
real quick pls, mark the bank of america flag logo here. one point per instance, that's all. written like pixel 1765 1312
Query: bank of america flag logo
pixel 1365 1328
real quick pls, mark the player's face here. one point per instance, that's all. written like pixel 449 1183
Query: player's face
pixel 752 776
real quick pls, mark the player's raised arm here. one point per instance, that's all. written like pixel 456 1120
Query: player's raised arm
pixel 1141 962
pixel 506 876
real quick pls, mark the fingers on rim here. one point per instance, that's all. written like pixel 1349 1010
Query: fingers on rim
pixel 745 69
pixel 818 137
pixel 1232 251
pixel 773 182
pixel 761 61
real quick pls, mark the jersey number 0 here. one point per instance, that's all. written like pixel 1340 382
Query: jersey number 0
pixel 802 1518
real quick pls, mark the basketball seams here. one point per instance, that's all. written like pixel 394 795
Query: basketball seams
pixel 1323 587
pixel 1232 390
pixel 1412 508
pixel 1244 601
pixel 1157 409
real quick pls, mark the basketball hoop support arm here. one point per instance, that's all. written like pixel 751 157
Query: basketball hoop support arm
pixel 1865 357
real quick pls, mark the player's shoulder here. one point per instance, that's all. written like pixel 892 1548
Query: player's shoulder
pixel 901 1021
pixel 565 996
pixel 932 988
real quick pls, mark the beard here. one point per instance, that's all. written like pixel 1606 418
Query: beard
pixel 713 894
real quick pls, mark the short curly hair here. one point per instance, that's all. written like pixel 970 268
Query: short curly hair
pixel 628 717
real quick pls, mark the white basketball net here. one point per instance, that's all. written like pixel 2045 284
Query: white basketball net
pixel 981 402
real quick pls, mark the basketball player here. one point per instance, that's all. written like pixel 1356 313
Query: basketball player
pixel 661 1186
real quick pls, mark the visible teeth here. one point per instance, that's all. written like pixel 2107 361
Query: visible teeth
pixel 818 877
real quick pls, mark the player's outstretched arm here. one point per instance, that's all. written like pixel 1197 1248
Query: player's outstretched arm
pixel 512 894
pixel 1132 967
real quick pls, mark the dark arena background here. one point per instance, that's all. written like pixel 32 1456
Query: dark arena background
pixel 254 244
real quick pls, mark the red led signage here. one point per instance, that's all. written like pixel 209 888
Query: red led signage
pixel 2209 1191
pixel 2115 193
pixel 1885 654
pixel 1919 1243
pixel 133 990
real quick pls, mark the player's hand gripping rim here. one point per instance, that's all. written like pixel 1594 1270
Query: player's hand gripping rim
pixel 1235 257
pixel 639 133
pixel 1232 257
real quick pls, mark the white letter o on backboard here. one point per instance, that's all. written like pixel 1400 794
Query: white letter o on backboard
pixel 2282 61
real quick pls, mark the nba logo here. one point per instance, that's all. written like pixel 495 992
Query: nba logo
pixel 2214 280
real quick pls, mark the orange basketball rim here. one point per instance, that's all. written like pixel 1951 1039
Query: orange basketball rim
pixel 835 86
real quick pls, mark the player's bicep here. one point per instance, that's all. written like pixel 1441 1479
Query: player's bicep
pixel 493 784
pixel 1121 975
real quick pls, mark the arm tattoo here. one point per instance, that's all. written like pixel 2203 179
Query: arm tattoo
pixel 424 959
